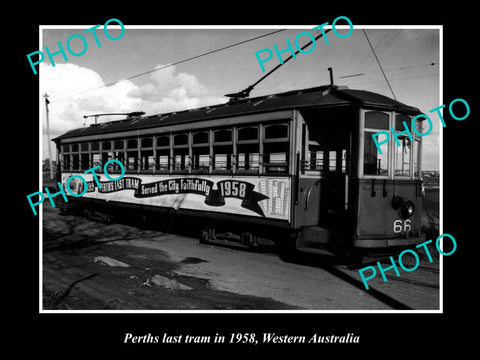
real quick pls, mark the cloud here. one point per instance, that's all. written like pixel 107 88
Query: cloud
pixel 64 81
pixel 167 91
pixel 75 91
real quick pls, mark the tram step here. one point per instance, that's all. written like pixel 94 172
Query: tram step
pixel 314 239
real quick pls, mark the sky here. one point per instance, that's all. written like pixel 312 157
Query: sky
pixel 410 58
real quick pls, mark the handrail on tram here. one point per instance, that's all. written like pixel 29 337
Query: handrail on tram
pixel 307 196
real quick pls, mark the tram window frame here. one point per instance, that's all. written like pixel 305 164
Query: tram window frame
pixel 96 159
pixel 75 157
pixel 94 154
pixel 106 154
pixel 66 161
pixel 84 151
pixel 319 158
pixel 118 152
pixel 200 152
pixel 416 157
pixel 162 151
pixel 75 162
pixel 131 152
pixel 147 156
pixel 181 150
pixel 405 142
pixel 65 157
pixel 247 147
pixel 275 167
pixel 366 139
pixel 84 161
pixel 220 147
pixel 107 147
pixel 312 165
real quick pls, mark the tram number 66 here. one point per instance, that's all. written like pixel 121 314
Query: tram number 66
pixel 399 225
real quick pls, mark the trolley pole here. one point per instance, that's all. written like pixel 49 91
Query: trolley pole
pixel 48 137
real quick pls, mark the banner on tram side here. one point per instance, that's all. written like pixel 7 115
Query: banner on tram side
pixel 265 197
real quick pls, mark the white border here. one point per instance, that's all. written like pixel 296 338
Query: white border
pixel 355 27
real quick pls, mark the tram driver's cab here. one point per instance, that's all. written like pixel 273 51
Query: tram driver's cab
pixel 350 194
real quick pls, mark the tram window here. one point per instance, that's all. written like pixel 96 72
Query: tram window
pixel 147 162
pixel 223 153
pixel 376 120
pixel 278 131
pixel 132 144
pixel 74 147
pixel 118 144
pixel 95 146
pixel 119 155
pixel 201 158
pixel 399 119
pixel 375 163
pixel 96 159
pixel 75 162
pixel 200 138
pixel 275 157
pixel 315 158
pixel 180 152
pixel 66 148
pixel 248 156
pixel 163 160
pixel 222 136
pixel 84 146
pixel 180 159
pixel 146 143
pixel 132 160
pixel 416 161
pixel 107 145
pixel 106 156
pixel 201 151
pixel 402 157
pixel 332 160
pixel 222 157
pixel 181 139
pixel 163 141
pixel 249 133
pixel 66 162
pixel 402 152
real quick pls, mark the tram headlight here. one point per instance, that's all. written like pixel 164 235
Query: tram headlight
pixel 407 209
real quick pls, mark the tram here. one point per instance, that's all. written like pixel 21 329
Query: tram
pixel 298 167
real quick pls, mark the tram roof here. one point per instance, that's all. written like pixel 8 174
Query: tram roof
pixel 316 97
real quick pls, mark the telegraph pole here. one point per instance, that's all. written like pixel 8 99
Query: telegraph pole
pixel 48 137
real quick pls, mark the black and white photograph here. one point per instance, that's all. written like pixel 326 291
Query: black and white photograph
pixel 208 184
pixel 294 180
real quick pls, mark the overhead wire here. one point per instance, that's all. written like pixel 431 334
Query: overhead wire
pixel 368 55
pixel 171 64
pixel 379 64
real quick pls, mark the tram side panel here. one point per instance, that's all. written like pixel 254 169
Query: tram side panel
pixel 260 197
